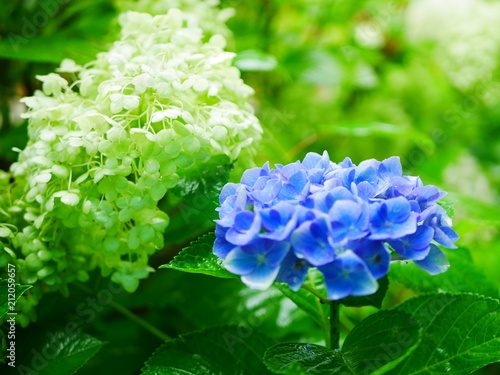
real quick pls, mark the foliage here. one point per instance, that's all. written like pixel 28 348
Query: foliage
pixel 364 79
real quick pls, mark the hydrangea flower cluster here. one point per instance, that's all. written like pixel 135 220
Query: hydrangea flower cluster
pixel 205 13
pixel 105 149
pixel 348 221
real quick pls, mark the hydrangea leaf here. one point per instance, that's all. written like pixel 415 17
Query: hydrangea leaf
pixel 69 351
pixel 393 336
pixel 304 359
pixel 220 350
pixel 200 185
pixel 306 302
pixel 461 333
pixel 374 299
pixel 199 258
pixel 451 281
pixel 4 296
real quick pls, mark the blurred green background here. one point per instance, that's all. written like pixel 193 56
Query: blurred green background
pixel 364 79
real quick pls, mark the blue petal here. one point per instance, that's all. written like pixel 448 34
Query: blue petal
pixel 340 233
pixel 244 220
pixel 279 220
pixel 240 262
pixel 391 167
pixel 368 174
pixel 399 186
pixel 244 230
pixel 221 246
pixel 345 212
pixel 227 190
pixel 414 246
pixel 262 277
pixel 347 163
pixel 399 230
pixel 378 215
pixel 349 221
pixel 250 176
pixel 398 209
pixel 292 169
pixel 278 215
pixel 293 271
pixel 310 242
pixel 392 219
pixel 277 252
pixel 296 187
pixel 268 193
pixel 260 183
pixel 435 263
pixel 271 218
pixel 311 160
pixel 421 238
pixel 425 195
pixel 376 257
pixel 365 190
pixel 346 276
pixel 445 236
pixel 369 163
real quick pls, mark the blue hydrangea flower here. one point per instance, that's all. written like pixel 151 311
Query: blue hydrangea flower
pixel 375 255
pixel 311 241
pixel 293 271
pixel 347 275
pixel 279 221
pixel 391 219
pixel 258 263
pixel 245 228
pixel 415 246
pixel 348 221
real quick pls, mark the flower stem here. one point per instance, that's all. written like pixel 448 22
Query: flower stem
pixel 334 325
pixel 317 294
pixel 129 314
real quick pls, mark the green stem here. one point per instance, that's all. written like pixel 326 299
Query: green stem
pixel 334 325
pixel 317 294
pixel 321 300
pixel 129 314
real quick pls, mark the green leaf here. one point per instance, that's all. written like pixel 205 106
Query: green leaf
pixel 449 207
pixel 318 311
pixel 380 342
pixel 255 61
pixel 461 333
pixel 6 297
pixel 452 280
pixel 62 353
pixel 200 185
pixel 199 258
pixel 306 302
pixel 305 358
pixel 374 299
pixel 224 350
pixel 374 346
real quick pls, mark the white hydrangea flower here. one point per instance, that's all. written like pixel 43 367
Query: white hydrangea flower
pixel 105 150
pixel 204 13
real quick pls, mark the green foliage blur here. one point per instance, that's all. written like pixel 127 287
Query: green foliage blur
pixel 364 79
